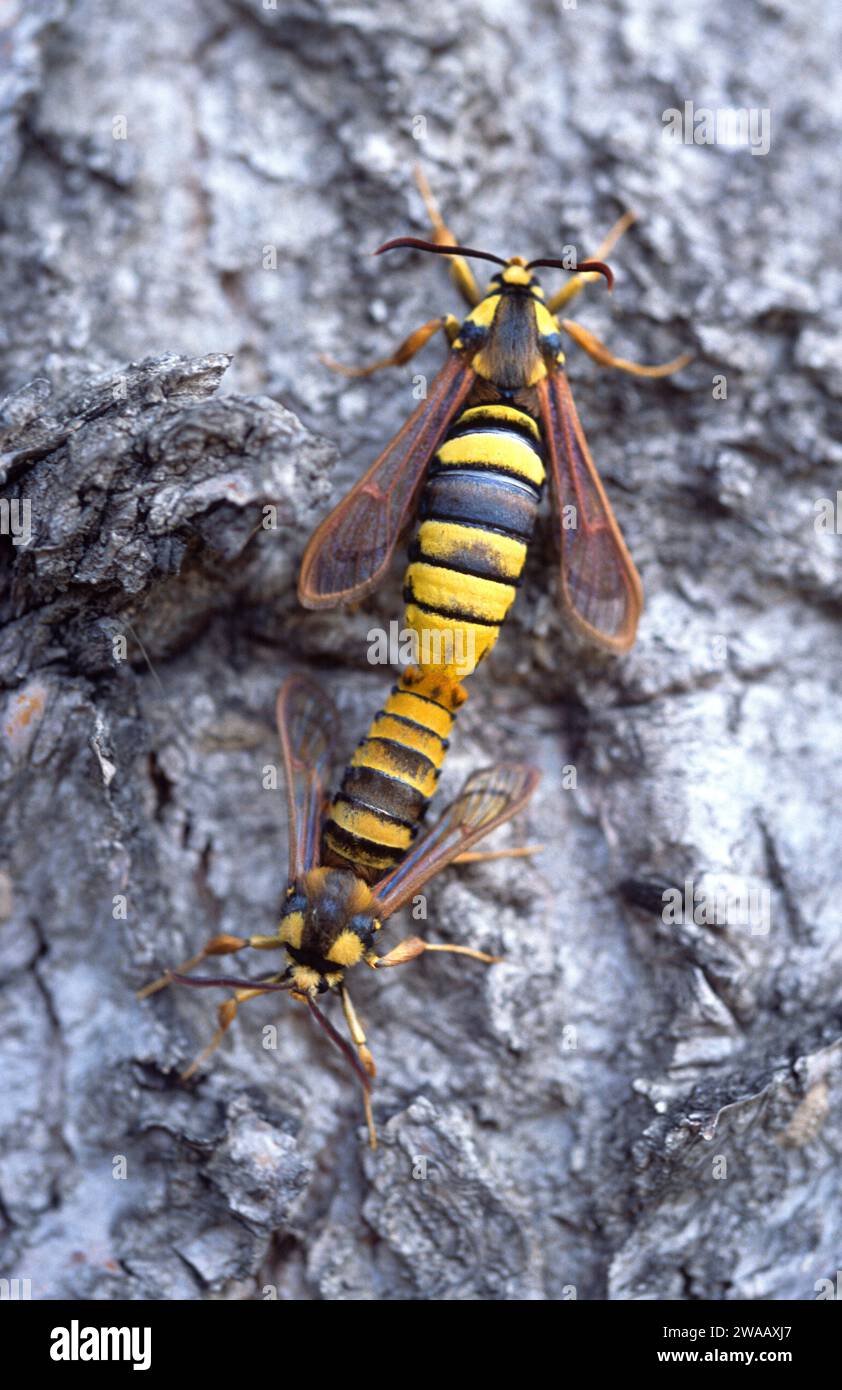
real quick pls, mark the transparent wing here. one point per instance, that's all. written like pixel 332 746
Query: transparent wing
pixel 350 551
pixel 489 797
pixel 600 585
pixel 307 723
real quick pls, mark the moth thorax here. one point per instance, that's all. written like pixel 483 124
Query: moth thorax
pixel 328 921
pixel 336 894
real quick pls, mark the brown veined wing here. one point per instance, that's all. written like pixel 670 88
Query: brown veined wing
pixel 600 585
pixel 488 798
pixel 349 553
pixel 307 723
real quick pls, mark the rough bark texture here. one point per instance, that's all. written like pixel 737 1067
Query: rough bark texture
pixel 626 1108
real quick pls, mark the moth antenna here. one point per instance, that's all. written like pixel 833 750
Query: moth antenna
pixel 230 981
pixel 415 243
pixel 344 1047
pixel 600 267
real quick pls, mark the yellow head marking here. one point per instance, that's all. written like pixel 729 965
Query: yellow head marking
pixel 516 273
pixel 305 980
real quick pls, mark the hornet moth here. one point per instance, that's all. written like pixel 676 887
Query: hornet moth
pixel 338 896
pixel 471 462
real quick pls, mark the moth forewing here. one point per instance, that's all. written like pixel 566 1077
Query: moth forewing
pixel 350 552
pixel 489 798
pixel 600 586
pixel 307 721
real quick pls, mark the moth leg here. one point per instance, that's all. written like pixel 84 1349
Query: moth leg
pixel 226 1014
pixel 577 282
pixel 414 946
pixel 600 353
pixel 403 353
pixel 222 945
pixel 357 1032
pixel 484 856
pixel 460 272
pixel 358 1038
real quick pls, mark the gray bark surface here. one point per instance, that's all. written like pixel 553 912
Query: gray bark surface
pixel 625 1108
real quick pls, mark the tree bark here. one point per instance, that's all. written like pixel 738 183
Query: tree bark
pixel 639 1103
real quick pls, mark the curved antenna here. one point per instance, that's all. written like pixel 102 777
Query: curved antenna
pixel 599 267
pixel 344 1047
pixel 229 981
pixel 416 244
pixel 233 982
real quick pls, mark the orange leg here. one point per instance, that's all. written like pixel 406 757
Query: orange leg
pixel 577 282
pixel 414 946
pixel 460 272
pixel 483 856
pixel 404 353
pixel 600 353
pixel 226 1015
pixel 358 1038
pixel 222 945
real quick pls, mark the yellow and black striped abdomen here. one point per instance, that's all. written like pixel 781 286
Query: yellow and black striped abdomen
pixel 477 515
pixel 375 815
